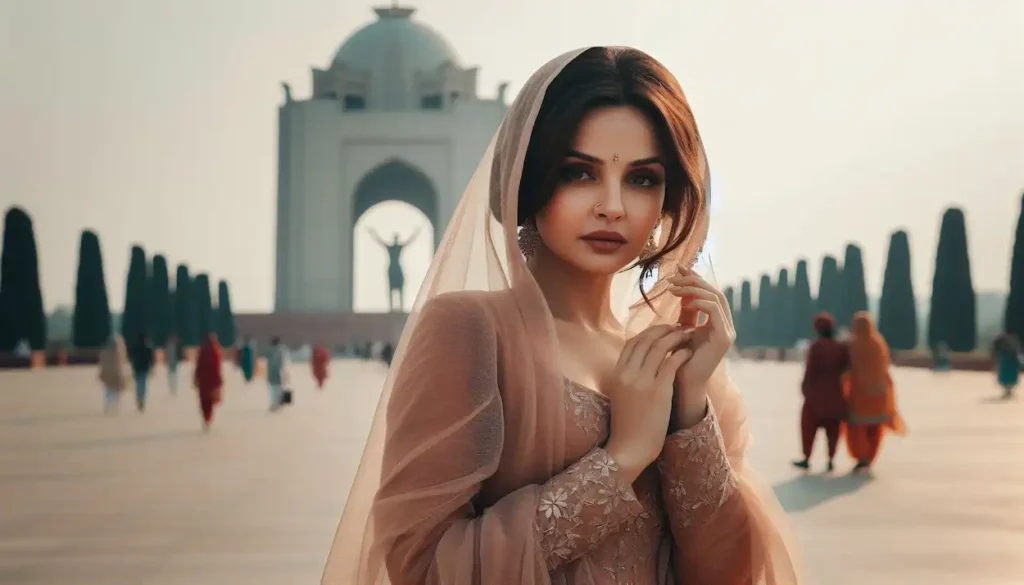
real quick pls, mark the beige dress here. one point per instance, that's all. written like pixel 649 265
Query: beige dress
pixel 591 522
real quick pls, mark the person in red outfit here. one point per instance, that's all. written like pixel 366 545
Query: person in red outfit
pixel 824 403
pixel 321 359
pixel 208 379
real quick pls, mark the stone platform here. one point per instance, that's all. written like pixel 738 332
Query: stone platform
pixel 148 499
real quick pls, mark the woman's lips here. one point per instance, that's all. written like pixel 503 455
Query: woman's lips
pixel 604 242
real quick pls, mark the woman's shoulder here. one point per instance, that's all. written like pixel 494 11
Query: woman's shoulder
pixel 468 308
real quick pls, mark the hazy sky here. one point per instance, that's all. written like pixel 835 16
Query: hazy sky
pixel 826 122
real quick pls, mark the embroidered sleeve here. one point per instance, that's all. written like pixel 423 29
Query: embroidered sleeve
pixel 709 521
pixel 695 474
pixel 581 506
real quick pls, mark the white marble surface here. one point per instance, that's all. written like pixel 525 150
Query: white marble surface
pixel 148 499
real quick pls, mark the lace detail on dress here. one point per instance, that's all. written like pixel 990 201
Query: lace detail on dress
pixel 581 506
pixel 696 476
pixel 587 410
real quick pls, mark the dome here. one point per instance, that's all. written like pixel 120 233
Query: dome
pixel 391 50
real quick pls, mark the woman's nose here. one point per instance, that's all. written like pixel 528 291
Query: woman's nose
pixel 610 206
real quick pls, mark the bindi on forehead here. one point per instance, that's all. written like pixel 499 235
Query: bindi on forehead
pixel 613 135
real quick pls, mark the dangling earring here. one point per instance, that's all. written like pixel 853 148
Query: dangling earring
pixel 529 239
pixel 650 249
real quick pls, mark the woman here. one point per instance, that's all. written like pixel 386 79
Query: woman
pixel 247 360
pixel 208 379
pixel 824 405
pixel 1007 357
pixel 321 359
pixel 870 396
pixel 113 373
pixel 519 432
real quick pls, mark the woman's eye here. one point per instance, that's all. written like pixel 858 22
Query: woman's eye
pixel 644 181
pixel 573 173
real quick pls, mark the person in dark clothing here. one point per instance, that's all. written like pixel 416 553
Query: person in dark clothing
pixel 824 403
pixel 140 354
pixel 387 353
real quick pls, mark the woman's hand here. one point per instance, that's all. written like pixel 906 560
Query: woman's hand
pixel 710 343
pixel 640 389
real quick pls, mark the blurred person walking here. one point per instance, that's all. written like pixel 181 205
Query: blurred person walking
pixel 277 372
pixel 141 356
pixel 114 373
pixel 172 354
pixel 822 387
pixel 208 378
pixel 1006 355
pixel 870 394
pixel 320 362
pixel 247 359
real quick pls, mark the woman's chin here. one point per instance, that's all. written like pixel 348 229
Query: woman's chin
pixel 601 264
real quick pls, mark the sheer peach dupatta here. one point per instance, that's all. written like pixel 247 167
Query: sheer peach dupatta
pixel 475 387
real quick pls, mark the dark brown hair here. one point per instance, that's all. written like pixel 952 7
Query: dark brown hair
pixel 601 77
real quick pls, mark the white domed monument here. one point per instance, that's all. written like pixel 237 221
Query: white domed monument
pixel 394 117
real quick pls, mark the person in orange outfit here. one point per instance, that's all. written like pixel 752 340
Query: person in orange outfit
pixel 870 394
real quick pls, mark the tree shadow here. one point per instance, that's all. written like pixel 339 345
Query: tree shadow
pixel 804 492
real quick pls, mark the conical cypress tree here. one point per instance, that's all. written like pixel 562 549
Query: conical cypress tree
pixel 897 309
pixel 854 291
pixel 21 300
pixel 1013 322
pixel 225 317
pixel 202 306
pixel 803 304
pixel 783 303
pixel 765 329
pixel 160 303
pixel 744 318
pixel 183 318
pixel 135 316
pixel 953 315
pixel 829 287
pixel 91 327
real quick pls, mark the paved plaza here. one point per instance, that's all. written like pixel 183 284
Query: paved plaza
pixel 150 500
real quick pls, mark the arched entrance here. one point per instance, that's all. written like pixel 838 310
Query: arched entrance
pixel 393 181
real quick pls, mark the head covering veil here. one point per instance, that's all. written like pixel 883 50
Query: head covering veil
pixel 479 333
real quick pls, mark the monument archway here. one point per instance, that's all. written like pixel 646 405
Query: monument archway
pixel 399 181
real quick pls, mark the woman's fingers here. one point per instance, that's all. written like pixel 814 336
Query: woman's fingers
pixel 661 348
pixel 693 292
pixel 691 278
pixel 719 327
pixel 636 349
pixel 671 364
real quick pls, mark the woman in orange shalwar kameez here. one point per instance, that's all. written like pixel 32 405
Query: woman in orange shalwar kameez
pixel 208 379
pixel 321 357
pixel 871 398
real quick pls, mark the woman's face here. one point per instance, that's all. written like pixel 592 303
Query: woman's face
pixel 609 195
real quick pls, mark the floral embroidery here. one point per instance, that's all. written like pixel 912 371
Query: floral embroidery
pixel 588 410
pixel 696 475
pixel 589 498
pixel 589 514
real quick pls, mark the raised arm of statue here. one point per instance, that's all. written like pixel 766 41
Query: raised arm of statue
pixel 376 238
pixel 412 237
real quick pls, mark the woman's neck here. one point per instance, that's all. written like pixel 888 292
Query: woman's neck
pixel 573 295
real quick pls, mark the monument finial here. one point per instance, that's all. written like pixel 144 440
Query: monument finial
pixel 394 11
